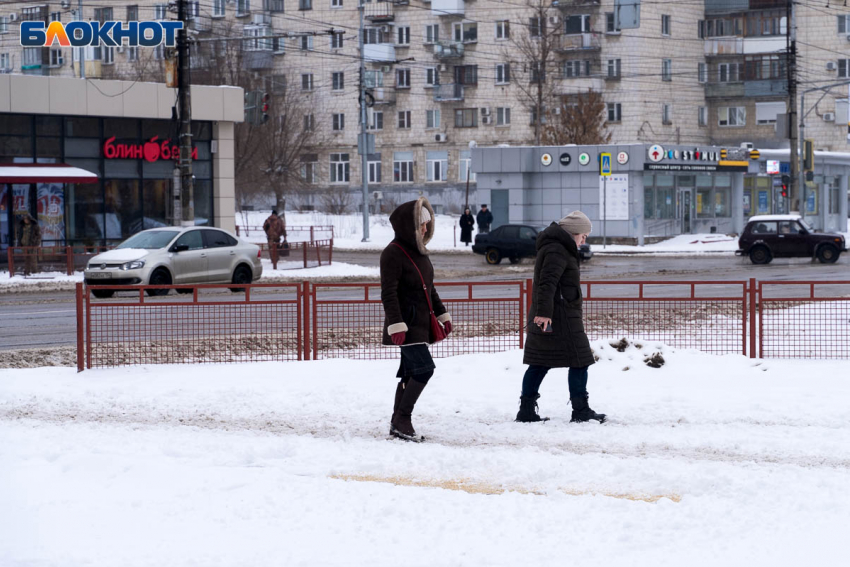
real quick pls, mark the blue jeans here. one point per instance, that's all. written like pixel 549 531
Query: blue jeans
pixel 535 374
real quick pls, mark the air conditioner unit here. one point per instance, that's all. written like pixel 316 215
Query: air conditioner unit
pixel 554 20
pixel 485 111
pixel 66 4
pixel 385 68
pixel 378 93
pixel 830 66
pixel 441 137
pixel 487 120
pixel 829 117
pixel 444 68
pixel 13 16
pixel 377 195
pixel 385 29
pixel 746 145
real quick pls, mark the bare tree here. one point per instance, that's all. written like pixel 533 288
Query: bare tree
pixel 581 120
pixel 336 200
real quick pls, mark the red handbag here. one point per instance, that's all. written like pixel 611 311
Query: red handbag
pixel 438 333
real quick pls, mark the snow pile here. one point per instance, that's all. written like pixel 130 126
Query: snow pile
pixel 706 461
pixel 296 270
pixel 681 244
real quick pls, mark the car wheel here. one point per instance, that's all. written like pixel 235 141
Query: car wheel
pixel 493 257
pixel 514 260
pixel 159 277
pixel 103 293
pixel 828 254
pixel 760 255
pixel 241 275
pixel 186 290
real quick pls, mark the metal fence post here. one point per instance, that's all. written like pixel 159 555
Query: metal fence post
pixel 331 252
pixel 304 251
pixel 81 361
pixel 69 255
pixel 753 317
pixel 88 328
pixel 306 311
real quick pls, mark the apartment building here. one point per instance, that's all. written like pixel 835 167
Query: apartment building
pixel 444 73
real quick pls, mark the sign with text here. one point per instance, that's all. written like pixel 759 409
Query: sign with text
pixel 614 197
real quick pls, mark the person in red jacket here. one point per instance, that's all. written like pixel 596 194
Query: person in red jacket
pixel 408 295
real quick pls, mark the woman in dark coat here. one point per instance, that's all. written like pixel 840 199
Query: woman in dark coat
pixel 407 322
pixel 467 222
pixel 556 336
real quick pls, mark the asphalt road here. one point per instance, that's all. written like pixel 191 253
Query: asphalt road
pixel 41 319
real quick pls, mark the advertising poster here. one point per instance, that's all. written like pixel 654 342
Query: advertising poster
pixel 748 204
pixel 763 201
pixel 51 212
pixel 615 197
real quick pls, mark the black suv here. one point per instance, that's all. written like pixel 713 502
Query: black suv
pixel 787 236
pixel 514 241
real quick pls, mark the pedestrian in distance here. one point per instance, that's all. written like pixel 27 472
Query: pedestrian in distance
pixel 410 299
pixel 485 219
pixel 275 229
pixel 556 337
pixel 467 222
pixel 29 236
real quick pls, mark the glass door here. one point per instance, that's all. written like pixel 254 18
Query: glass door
pixel 686 206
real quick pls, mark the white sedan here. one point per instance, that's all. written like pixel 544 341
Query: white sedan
pixel 175 255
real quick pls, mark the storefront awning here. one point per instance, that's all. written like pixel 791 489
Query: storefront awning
pixel 44 173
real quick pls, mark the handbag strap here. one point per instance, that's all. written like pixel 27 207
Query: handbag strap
pixel 424 287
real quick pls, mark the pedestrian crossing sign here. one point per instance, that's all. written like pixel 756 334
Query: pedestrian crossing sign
pixel 605 165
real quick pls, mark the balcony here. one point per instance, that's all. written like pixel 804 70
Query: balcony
pixel 575 4
pixel 578 85
pixel 766 87
pixel 579 42
pixel 448 49
pixel 724 90
pixel 260 59
pixel 448 93
pixel 447 7
pixel 767 44
pixel 379 12
pixel 379 52
pixel 200 24
pixel 383 96
pixel 724 46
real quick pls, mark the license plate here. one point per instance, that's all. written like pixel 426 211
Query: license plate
pixel 100 275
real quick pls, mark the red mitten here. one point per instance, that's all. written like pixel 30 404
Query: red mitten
pixel 448 327
pixel 398 338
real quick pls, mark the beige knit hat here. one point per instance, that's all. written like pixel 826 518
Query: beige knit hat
pixel 424 216
pixel 576 223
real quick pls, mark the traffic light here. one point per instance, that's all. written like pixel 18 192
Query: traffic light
pixel 786 181
pixel 809 155
pixel 266 100
pixel 250 107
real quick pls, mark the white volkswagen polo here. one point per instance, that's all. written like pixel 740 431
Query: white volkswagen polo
pixel 175 255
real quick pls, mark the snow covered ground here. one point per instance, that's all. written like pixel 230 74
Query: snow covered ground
pixel 706 461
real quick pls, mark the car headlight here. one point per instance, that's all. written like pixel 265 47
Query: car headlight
pixel 134 265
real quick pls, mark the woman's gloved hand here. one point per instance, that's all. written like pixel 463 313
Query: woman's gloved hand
pixel 398 338
pixel 448 327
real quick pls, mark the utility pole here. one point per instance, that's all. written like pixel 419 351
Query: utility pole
pixel 82 49
pixel 187 180
pixel 791 54
pixel 364 136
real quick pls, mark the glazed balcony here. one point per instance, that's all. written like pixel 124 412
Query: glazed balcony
pixel 379 52
pixel 445 49
pixel 579 42
pixel 380 12
pixel 452 92
pixel 447 7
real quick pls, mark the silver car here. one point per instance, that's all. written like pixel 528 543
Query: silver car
pixel 175 255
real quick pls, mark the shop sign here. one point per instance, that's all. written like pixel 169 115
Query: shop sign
pixel 656 153
pixel 622 158
pixel 682 167
pixel 151 151
pixel 772 166
pixel 546 159
pixel 584 158
pixel 565 159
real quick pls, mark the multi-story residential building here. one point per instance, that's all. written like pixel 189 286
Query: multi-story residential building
pixel 444 73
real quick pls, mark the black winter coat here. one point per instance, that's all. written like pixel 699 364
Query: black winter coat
pixel 485 219
pixel 405 303
pixel 467 222
pixel 556 294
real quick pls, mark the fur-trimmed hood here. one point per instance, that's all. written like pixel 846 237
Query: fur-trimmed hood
pixel 405 223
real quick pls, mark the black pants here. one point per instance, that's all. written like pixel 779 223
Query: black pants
pixel 535 374
pixel 416 363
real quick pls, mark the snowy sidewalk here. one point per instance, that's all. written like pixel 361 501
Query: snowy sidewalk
pixel 706 461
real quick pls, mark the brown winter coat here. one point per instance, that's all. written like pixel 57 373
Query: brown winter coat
pixel 275 228
pixel 30 233
pixel 556 294
pixel 405 303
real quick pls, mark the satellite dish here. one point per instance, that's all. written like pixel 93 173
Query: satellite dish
pixel 473 144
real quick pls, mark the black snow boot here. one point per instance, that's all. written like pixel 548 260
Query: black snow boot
pixel 528 410
pixel 401 425
pixel 582 411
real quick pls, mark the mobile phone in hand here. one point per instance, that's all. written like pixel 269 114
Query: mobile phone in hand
pixel 548 327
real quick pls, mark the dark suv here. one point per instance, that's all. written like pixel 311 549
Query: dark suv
pixel 787 236
pixel 514 241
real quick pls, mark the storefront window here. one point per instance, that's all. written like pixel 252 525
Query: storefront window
pixel 156 193
pixel 48 126
pixel 722 180
pixel 84 222
pixel 51 213
pixel 812 201
pixel 123 208
pixel 203 202
pixel 665 204
pixel 762 195
pixel 48 148
pixel 649 202
pixel 704 203
pixel 121 128
pixel 704 181
pixel 16 124
pixel 82 127
pixel 721 203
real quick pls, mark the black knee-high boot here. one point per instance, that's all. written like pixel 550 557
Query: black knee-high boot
pixel 401 425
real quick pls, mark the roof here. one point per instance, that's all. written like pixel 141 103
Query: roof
pixel 44 173
pixel 775 217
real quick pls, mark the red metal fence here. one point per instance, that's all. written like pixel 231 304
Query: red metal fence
pixel 65 259
pixel 294 233
pixel 309 254
pixel 301 321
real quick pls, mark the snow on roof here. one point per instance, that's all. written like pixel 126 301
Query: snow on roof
pixel 44 173
pixel 774 217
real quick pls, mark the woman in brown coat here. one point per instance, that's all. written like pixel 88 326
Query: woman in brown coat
pixel 408 295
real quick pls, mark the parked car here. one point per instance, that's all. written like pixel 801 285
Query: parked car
pixel 787 236
pixel 174 255
pixel 514 242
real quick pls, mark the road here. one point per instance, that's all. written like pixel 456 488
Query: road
pixel 40 319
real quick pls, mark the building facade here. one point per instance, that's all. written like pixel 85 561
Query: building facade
pixel 444 73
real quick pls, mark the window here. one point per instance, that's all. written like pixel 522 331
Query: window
pixel 56 59
pixel 218 8
pixel 728 72
pixel 466 118
pixel 766 112
pixel 666 113
pixel 576 24
pixel 467 32
pixel 573 68
pixel 615 112
pixel 843 20
pixel 466 75
pixel 306 43
pixel 307 81
pixel 278 84
pixel 403 167
pixel 338 80
pixel 403 35
pixel 256 35
pixel 464 163
pixel 436 166
pixel 432 118
pixel 31 56
pixel 535 114
pixel 432 33
pixel 243 8
pixel 766 22
pixel 339 168
pixel 310 168
pixel 338 122
pixel 373 163
pixel 665 24
pixel 309 122
pixel 844 68
pixel 217 239
pixel 536 27
pixel 336 3
pixel 404 119
pixel 103 14
pixel 55 16
pixel 337 40
pixel 503 73
pixel 273 5
pixel 402 78
pixel 760 67
pixel 194 240
pixel 702 116
pixel 666 69
pixel 375 120
pixel 610 23
pixel 503 116
pixel 5 62
pixel 158 52
pixel 503 29
pixel 4 24
pixel 305 4
pixel 731 116
pixel 538 74
pixel 373 36
pixel 613 68
pixel 432 77
pixel 160 11
pixel 702 72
